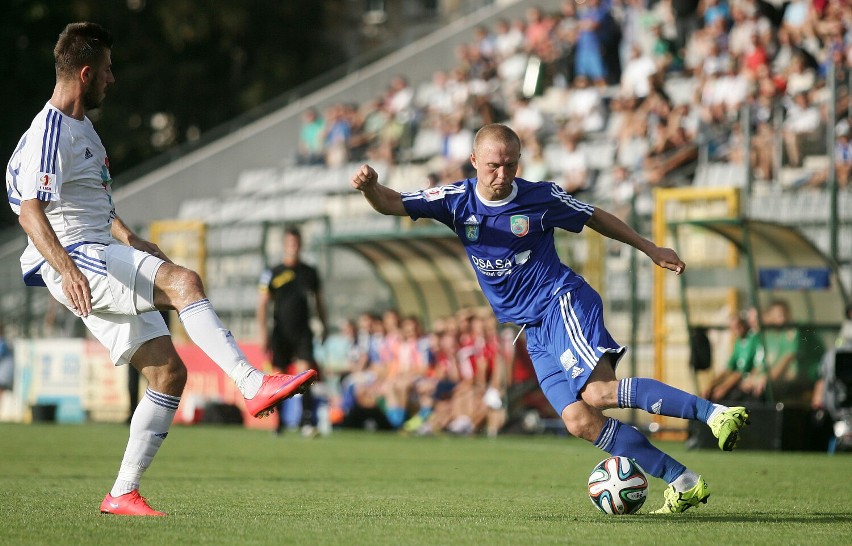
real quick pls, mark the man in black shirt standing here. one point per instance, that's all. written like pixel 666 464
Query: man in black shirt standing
pixel 290 286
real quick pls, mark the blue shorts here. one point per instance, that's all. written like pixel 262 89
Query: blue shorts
pixel 566 346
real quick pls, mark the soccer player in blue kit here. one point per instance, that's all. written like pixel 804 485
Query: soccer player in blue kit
pixel 507 227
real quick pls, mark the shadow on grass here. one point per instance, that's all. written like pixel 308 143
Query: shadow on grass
pixel 690 518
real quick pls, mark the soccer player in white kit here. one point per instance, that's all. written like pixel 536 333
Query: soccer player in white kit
pixel 58 182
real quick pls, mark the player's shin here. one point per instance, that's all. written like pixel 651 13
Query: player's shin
pixel 656 397
pixel 204 328
pixel 617 438
pixel 148 428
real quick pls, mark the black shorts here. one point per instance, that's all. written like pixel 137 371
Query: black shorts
pixel 290 347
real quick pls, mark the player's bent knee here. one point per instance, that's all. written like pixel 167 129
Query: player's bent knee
pixel 178 286
pixel 601 394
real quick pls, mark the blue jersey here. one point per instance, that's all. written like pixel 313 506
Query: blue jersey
pixel 509 242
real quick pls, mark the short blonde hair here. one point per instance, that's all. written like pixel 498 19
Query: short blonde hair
pixel 496 131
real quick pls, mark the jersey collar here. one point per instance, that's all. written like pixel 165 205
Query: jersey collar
pixel 505 201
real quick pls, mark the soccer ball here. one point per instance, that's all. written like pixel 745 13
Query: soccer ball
pixel 618 486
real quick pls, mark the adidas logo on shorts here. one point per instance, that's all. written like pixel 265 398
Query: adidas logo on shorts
pixel 576 371
pixel 657 406
pixel 567 359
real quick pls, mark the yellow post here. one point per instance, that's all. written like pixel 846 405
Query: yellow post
pixel 676 204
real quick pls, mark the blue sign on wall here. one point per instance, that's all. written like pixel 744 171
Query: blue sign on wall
pixel 794 278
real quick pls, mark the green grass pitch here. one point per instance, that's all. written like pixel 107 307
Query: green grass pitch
pixel 224 485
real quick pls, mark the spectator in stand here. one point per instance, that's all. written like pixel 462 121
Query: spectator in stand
pixel 508 38
pixel 715 62
pixel 732 90
pixel 435 391
pixel 665 52
pixel 338 131
pixel 538 29
pixel 762 156
pixel 533 165
pixel 799 77
pixel 310 147
pixel 784 52
pixel 409 363
pixel 802 124
pixel 589 60
pixel 686 20
pixel 526 118
pixel 747 21
pixel 639 73
pixel 486 42
pixel 565 39
pixel 571 165
pixel 756 56
pixel 713 10
pixel 457 144
pixel 673 151
pixel 725 385
pixel 381 134
pixel 788 365
pixel 512 63
pixel 584 108
pixel 796 20
pixel 632 137
pixel 434 96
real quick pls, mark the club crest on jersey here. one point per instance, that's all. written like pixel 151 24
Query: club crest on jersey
pixel 520 224
pixel 471 228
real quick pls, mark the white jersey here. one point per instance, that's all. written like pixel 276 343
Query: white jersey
pixel 61 160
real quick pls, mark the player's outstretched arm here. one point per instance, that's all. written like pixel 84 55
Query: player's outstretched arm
pixel 610 226
pixel 381 198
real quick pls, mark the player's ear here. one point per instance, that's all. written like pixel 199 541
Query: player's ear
pixel 85 74
pixel 473 160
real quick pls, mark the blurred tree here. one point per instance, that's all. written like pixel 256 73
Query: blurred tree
pixel 181 66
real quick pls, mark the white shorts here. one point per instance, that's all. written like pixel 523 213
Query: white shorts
pixel 121 279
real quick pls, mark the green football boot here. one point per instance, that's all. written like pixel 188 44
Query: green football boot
pixel 726 426
pixel 677 502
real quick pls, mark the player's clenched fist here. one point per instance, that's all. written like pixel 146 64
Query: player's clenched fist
pixel 364 178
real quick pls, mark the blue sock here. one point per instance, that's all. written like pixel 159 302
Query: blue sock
pixel 656 397
pixel 617 438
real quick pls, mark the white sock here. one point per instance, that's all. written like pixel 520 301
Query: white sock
pixel 717 409
pixel 685 481
pixel 148 428
pixel 204 328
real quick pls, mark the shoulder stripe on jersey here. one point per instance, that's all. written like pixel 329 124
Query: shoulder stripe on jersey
pixel 441 192
pixel 560 194
pixel 50 142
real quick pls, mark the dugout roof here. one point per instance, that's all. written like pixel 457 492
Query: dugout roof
pixel 426 268
pixel 777 261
